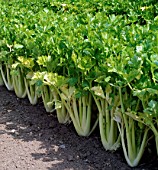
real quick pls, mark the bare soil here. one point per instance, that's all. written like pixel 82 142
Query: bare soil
pixel 31 139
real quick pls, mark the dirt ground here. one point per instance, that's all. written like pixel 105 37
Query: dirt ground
pixel 31 139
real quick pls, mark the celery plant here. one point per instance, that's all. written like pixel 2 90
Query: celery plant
pixel 134 135
pixel 18 83
pixel 106 105
pixel 79 109
pixel 149 116
pixel 26 66
pixel 41 89
pixel 56 100
pixel 45 83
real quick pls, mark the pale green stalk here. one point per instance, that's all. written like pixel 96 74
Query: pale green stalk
pixel 84 113
pixel 62 115
pixel 19 85
pixel 107 116
pixel 80 113
pixel 75 122
pixel 88 116
pixel 132 153
pixel 31 92
pixel 108 128
pixel 7 78
pixel 47 96
pixel 1 80
pixel 80 106
pixel 75 110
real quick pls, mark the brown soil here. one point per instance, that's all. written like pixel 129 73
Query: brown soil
pixel 31 139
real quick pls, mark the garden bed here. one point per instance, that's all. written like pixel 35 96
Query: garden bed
pixel 30 138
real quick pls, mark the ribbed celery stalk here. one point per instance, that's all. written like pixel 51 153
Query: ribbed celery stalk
pixel 18 83
pixel 7 78
pixel 1 80
pixel 51 98
pixel 31 91
pixel 79 110
pixel 47 97
pixel 62 115
pixel 108 128
pixel 133 136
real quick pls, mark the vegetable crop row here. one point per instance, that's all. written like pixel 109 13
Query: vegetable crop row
pixel 92 62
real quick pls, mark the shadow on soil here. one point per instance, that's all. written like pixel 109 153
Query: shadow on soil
pixel 60 145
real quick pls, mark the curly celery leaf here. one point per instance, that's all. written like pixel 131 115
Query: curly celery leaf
pixel 152 108
pixel 145 92
pixel 98 91
pixel 37 78
pixel 26 62
pixel 42 60
pixel 72 81
pixel 53 79
pixel 15 65
pixel 135 62
pixel 102 79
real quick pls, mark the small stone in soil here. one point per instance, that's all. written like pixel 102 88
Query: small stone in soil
pixel 77 157
pixel 9 123
pixel 13 131
pixel 86 161
pixel 108 164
